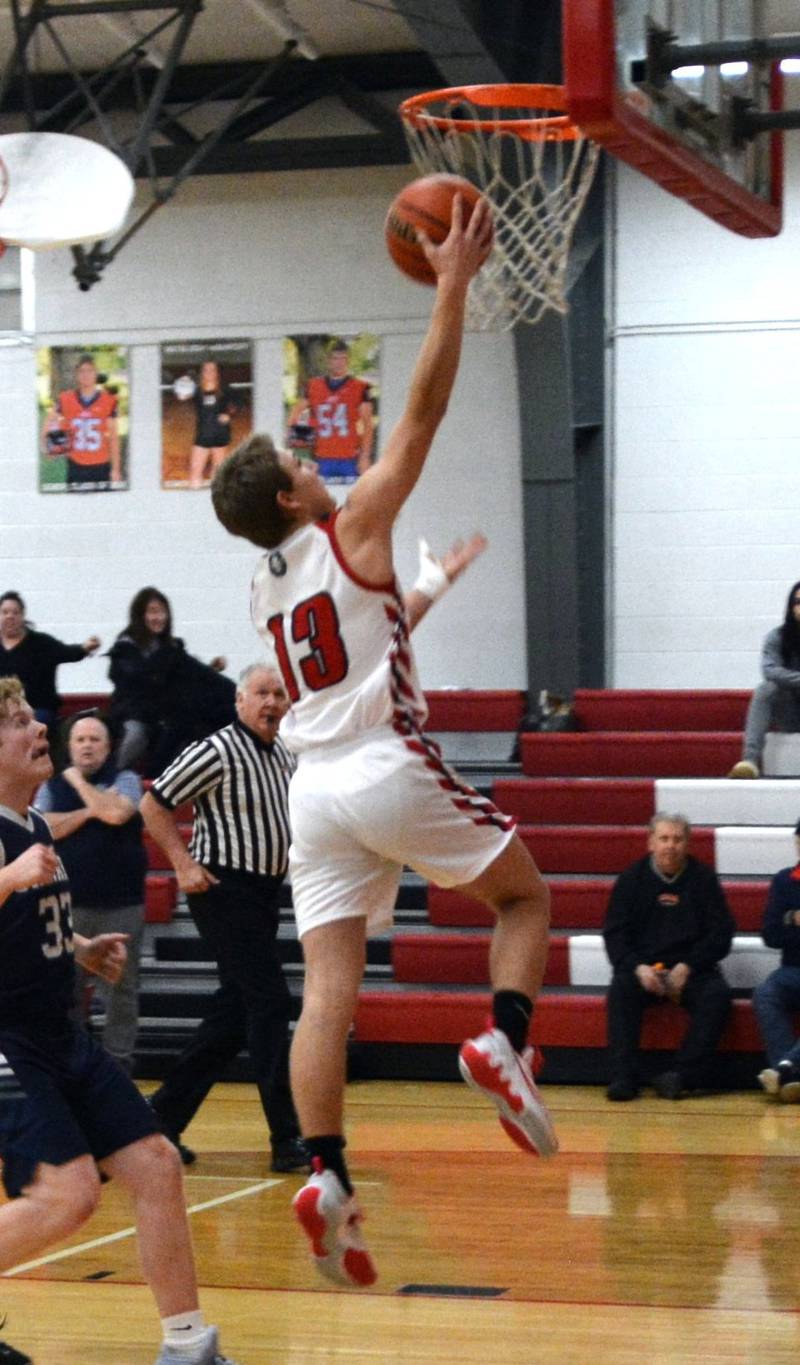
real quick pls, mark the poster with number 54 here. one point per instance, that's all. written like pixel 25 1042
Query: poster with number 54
pixel 331 392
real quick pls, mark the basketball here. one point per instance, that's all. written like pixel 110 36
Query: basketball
pixel 184 387
pixel 426 204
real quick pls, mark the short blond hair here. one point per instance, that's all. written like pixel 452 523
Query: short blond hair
pixel 12 697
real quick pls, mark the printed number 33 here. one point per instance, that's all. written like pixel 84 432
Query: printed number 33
pixel 57 928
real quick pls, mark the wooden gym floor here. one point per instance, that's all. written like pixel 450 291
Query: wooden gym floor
pixel 663 1232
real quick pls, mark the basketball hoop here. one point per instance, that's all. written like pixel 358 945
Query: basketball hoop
pixel 517 144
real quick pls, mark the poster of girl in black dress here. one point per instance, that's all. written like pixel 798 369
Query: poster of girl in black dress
pixel 206 407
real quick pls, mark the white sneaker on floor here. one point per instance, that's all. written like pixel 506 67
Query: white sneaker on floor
pixel 782 1081
pixel 490 1064
pixel 331 1219
pixel 205 1353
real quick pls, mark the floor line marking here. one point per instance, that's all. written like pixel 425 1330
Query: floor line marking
pixel 131 1231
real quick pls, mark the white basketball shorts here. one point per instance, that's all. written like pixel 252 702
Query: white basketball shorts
pixel 363 809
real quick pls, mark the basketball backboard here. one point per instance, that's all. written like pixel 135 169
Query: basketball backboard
pixel 59 190
pixel 682 126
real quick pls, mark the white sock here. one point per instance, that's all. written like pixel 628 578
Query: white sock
pixel 183 1331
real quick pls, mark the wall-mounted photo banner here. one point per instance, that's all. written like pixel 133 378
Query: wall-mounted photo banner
pixel 83 398
pixel 206 407
pixel 331 391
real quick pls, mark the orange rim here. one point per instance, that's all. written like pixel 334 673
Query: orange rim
pixel 557 127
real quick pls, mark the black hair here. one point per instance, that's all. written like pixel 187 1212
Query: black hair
pixel 136 627
pixel 13 596
pixel 790 632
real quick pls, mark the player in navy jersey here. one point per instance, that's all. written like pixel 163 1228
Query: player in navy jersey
pixel 371 792
pixel 68 1112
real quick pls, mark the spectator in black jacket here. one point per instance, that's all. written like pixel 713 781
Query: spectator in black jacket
pixel 33 657
pixel 163 697
pixel 667 928
pixel 777 999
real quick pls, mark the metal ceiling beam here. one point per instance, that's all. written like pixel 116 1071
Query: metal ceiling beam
pixel 290 154
pixel 369 73
pixel 251 98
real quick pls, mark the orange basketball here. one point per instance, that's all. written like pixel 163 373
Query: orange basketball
pixel 426 204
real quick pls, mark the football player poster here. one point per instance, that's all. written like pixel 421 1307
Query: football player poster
pixel 330 394
pixel 206 407
pixel 83 398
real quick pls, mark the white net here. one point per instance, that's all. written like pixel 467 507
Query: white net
pixel 536 176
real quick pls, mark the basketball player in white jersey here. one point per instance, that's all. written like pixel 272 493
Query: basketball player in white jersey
pixel 371 792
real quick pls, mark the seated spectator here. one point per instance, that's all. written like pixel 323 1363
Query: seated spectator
pixel 775 704
pixel 777 999
pixel 163 697
pixel 33 657
pixel 93 813
pixel 667 928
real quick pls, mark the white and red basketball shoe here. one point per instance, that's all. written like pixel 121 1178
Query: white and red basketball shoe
pixel 331 1219
pixel 489 1063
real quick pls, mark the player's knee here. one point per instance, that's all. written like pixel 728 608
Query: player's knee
pixel 331 1011
pixel 68 1199
pixel 159 1163
pixel 531 896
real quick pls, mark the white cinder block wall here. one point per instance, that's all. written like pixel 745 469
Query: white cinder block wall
pixel 260 257
pixel 705 443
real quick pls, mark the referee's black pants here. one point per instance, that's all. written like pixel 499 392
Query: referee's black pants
pixel 707 999
pixel 238 923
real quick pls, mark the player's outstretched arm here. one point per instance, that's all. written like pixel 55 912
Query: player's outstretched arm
pixel 380 493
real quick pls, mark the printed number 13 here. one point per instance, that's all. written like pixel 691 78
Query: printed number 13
pixel 326 662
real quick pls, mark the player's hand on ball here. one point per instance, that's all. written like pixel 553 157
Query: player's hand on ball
pixel 464 249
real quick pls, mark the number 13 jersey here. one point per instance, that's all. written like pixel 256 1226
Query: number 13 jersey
pixel 341 644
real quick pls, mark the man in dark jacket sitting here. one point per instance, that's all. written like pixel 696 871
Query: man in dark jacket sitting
pixel 667 927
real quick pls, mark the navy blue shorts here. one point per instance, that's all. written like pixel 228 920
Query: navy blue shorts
pixel 62 1096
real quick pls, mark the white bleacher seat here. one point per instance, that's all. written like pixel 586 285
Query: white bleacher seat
pixel 467 746
pixel 749 962
pixel 746 966
pixel 715 801
pixel 754 852
pixel 782 755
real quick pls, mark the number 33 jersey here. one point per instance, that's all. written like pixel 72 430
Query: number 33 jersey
pixel 36 948
pixel 340 644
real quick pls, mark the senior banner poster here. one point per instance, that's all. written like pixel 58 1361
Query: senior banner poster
pixel 83 398
pixel 206 407
pixel 330 395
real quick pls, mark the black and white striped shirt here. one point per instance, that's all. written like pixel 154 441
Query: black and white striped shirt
pixel 239 787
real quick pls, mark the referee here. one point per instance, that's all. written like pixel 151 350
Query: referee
pixel 238 781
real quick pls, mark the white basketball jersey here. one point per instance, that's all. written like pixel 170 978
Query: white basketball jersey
pixel 340 644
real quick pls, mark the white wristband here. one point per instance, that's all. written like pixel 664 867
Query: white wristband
pixel 432 581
